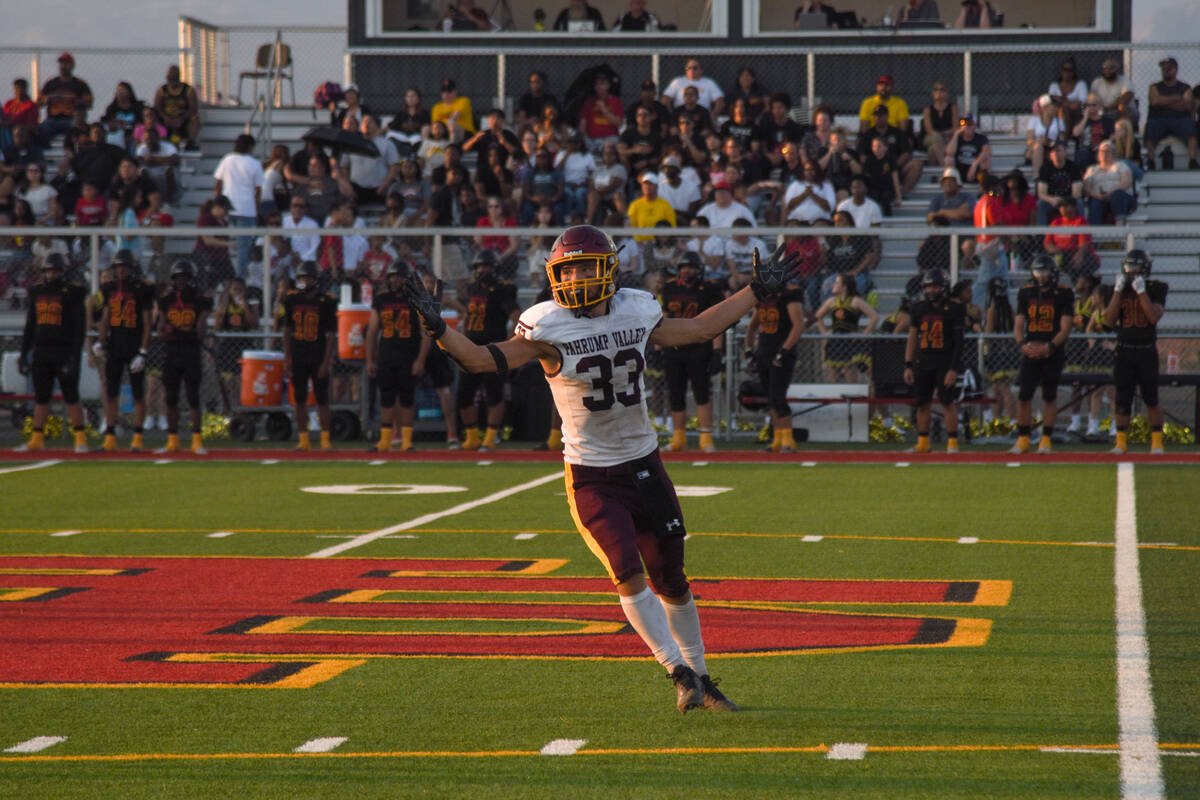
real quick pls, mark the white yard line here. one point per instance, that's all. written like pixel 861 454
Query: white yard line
pixel 562 747
pixel 367 538
pixel 35 745
pixel 24 467
pixel 325 744
pixel 1141 765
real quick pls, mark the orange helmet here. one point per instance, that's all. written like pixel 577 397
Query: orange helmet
pixel 582 245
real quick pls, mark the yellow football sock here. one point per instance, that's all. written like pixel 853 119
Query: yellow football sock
pixel 80 438
pixel 303 443
pixel 1046 443
pixel 706 440
pixel 951 443
pixel 922 443
pixel 489 437
pixel 786 439
pixel 1156 440
pixel 554 442
pixel 37 440
pixel 472 442
pixel 110 442
pixel 136 443
pixel 172 442
pixel 1023 443
pixel 1122 440
pixel 406 433
pixel 385 440
pixel 679 440
pixel 197 442
pixel 776 441
pixel 325 443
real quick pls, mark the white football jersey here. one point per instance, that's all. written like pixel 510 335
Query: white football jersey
pixel 598 390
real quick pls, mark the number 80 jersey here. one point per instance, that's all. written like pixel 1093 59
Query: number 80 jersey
pixel 598 387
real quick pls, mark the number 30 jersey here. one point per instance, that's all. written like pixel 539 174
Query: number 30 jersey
pixel 598 387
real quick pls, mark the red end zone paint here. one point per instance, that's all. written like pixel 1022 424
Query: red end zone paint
pixel 295 622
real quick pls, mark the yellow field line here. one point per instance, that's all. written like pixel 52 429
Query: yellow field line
pixel 610 751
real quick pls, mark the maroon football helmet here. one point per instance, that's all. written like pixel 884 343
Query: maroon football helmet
pixel 582 246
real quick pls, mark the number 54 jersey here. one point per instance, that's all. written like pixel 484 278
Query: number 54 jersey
pixel 598 387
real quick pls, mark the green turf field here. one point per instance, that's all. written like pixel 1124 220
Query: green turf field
pixel 247 649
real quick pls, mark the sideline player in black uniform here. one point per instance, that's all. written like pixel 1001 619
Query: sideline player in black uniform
pixel 490 305
pixel 396 354
pixel 683 298
pixel 182 320
pixel 51 349
pixel 1045 311
pixel 309 342
pixel 122 339
pixel 441 371
pixel 1136 307
pixel 771 337
pixel 933 357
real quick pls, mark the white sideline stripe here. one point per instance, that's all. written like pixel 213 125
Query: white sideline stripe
pixel 220 534
pixel 808 463
pixel 425 519
pixel 523 536
pixel 1013 464
pixel 811 538
pixel 483 463
pixel 562 747
pixel 376 463
pixel 902 463
pixel 163 461
pixel 968 540
pixel 322 745
pixel 269 461
pixel 24 467
pixel 1141 766
pixel 699 463
pixel 847 751
pixel 66 533
pixel 36 744
pixel 1084 751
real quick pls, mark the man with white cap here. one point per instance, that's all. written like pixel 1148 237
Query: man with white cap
pixel 649 210
pixel 683 195
pixel 953 205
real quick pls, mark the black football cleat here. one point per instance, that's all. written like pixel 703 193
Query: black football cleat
pixel 689 692
pixel 714 698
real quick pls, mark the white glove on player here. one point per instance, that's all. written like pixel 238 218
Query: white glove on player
pixel 98 349
pixel 1139 284
pixel 137 364
pixel 1121 283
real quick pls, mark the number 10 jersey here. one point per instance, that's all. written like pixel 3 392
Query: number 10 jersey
pixel 598 387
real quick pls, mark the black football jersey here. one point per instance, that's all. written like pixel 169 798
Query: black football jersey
pixel 1044 308
pixel 684 301
pixel 774 322
pixel 489 305
pixel 308 318
pixel 939 325
pixel 56 319
pixel 182 310
pixel 399 328
pixel 125 301
pixel 1132 325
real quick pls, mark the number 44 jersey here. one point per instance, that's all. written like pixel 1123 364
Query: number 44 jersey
pixel 598 387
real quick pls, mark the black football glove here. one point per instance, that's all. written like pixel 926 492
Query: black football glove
pixel 716 362
pixel 428 306
pixel 751 359
pixel 772 275
pixel 23 363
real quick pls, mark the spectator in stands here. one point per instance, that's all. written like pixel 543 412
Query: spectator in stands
pixel 41 197
pixel 689 143
pixel 353 108
pixel 577 167
pixel 1090 131
pixel 90 208
pixel 67 100
pixel 897 141
pixel 648 99
pixel 179 109
pixel 579 17
pixel 812 261
pixel 340 255
pixel 710 94
pixel 494 133
pixel 722 209
pixel 839 164
pixel 275 183
pixel 636 19
pixel 453 108
pixel 640 145
pixel 239 177
pixel 1172 110
pixel 370 176
pixel 126 110
pixel 323 186
pixel 434 143
pixel 752 92
pixel 991 250
pixel 897 109
pixel 702 120
pixel 530 104
pixel 543 184
pixel 503 247
pixel 1042 131
pixel 815 142
pixel 150 119
pixel 1074 252
pixel 465 16
pixel 649 210
pixel 601 115
pixel 95 160
pixel 846 360
pixel 492 177
pixel 865 212
pixel 1129 149
pixel 211 251
pixel 551 131
pixel 411 121
pixel 683 195
pixel 304 245
pixel 1058 178
pixel 937 123
pixel 974 14
pixel 1108 186
pixel 20 111
pixel 1019 207
pixel 159 161
pixel 129 174
pixel 777 127
pixel 882 174
pixel 953 205
pixel 969 152
pixel 414 192
pixel 810 200
pixel 920 11
pixel 815 7
pixel 740 247
pixel 1070 92
pixel 607 185
pixel 846 253
pixel 17 156
pixel 1114 91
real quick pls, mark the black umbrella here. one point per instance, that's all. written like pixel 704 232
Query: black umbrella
pixel 342 140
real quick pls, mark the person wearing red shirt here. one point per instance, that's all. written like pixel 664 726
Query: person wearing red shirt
pixel 504 247
pixel 1073 251
pixel 601 116
pixel 993 256
pixel 812 259
pixel 1019 207
pixel 90 208
pixel 21 111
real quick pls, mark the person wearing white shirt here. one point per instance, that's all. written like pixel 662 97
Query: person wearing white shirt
pixel 711 96
pixel 578 166
pixel 305 246
pixel 810 200
pixel 710 248
pixel 865 211
pixel 240 179
pixel 372 175
pixel 739 250
pixel 1043 130
pixel 683 195
pixel 1113 90
pixel 723 209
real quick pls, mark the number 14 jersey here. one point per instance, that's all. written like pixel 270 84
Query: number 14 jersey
pixel 598 387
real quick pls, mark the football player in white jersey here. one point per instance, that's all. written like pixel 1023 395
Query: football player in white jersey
pixel 591 341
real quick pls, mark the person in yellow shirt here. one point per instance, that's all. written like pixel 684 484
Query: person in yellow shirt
pixel 454 108
pixel 897 108
pixel 649 209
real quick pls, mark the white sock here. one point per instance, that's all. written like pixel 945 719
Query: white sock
pixel 645 613
pixel 685 628
pixel 987 417
pixel 1093 423
pixel 1074 420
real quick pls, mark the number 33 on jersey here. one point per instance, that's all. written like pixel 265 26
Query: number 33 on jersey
pixel 598 387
